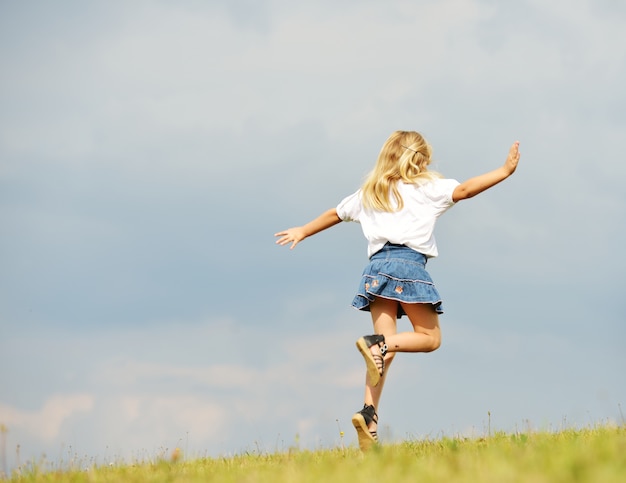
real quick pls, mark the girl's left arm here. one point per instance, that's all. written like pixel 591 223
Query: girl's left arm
pixel 296 234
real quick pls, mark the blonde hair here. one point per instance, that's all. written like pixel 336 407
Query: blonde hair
pixel 405 156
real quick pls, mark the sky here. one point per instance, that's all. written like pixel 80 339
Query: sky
pixel 150 150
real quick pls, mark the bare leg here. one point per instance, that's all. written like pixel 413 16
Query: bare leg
pixel 384 318
pixel 365 422
pixel 426 337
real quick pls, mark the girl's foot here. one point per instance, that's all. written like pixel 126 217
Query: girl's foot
pixel 361 422
pixel 373 350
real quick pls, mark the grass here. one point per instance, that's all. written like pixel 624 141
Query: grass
pixel 576 455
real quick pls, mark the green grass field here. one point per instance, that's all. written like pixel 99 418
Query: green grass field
pixel 595 455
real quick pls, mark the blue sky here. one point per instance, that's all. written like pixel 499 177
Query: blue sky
pixel 150 150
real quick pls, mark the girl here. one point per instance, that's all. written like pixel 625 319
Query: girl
pixel 397 208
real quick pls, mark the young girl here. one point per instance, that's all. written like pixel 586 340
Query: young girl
pixel 397 208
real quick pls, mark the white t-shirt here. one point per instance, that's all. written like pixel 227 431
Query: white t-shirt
pixel 412 226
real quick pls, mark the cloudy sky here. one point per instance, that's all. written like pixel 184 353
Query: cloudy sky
pixel 149 151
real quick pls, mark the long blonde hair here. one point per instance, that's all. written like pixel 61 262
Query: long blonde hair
pixel 405 156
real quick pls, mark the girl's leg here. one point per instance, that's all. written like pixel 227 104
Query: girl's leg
pixel 426 337
pixel 383 313
pixel 384 318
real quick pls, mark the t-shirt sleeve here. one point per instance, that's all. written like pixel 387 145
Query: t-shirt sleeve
pixel 349 209
pixel 440 193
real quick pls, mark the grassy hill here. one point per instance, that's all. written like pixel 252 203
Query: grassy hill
pixel 595 455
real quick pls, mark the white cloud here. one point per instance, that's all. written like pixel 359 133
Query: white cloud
pixel 215 406
pixel 46 423
pixel 136 421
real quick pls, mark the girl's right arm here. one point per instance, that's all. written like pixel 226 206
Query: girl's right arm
pixel 296 234
pixel 474 186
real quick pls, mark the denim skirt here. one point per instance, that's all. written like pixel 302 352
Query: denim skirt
pixel 397 272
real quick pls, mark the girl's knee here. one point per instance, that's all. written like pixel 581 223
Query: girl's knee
pixel 435 343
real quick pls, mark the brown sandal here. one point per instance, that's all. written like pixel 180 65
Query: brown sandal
pixel 361 421
pixel 375 362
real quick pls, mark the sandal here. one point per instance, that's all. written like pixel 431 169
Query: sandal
pixel 375 362
pixel 361 421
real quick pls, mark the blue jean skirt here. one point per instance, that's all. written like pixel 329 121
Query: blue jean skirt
pixel 397 272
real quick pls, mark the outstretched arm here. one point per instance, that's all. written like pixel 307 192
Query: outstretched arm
pixel 297 234
pixel 474 186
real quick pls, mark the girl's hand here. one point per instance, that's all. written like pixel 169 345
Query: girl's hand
pixel 292 235
pixel 478 184
pixel 512 159
pixel 297 234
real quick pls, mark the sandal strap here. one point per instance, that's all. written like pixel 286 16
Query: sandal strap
pixel 377 339
pixel 380 363
pixel 369 414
